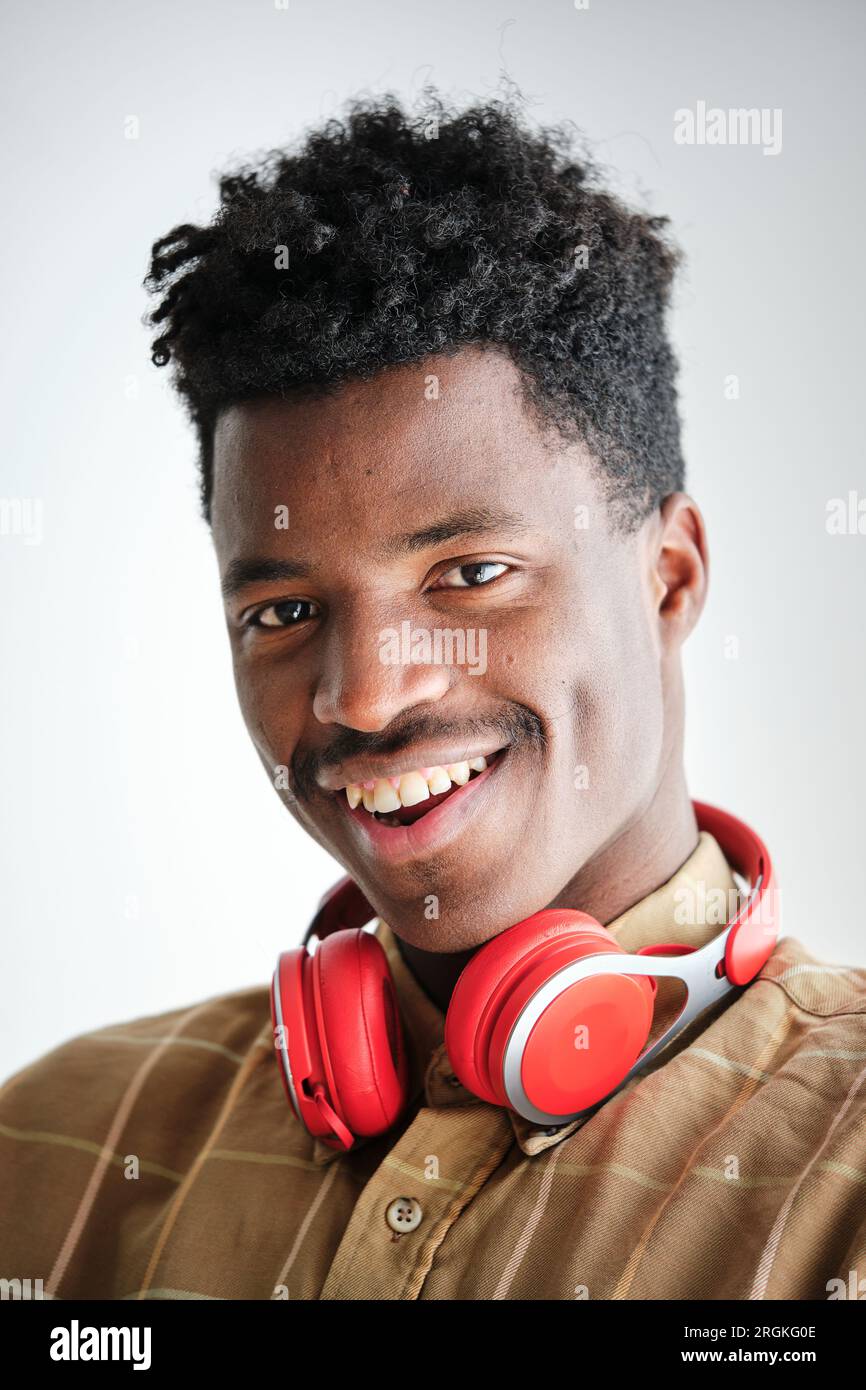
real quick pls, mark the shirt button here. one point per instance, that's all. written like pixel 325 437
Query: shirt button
pixel 404 1214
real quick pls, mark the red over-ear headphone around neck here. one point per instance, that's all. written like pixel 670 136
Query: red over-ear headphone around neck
pixel 549 1018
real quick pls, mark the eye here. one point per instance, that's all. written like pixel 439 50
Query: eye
pixel 472 576
pixel 289 612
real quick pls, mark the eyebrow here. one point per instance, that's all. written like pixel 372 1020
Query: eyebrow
pixel 241 573
pixel 472 522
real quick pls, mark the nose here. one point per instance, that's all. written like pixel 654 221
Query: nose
pixel 366 681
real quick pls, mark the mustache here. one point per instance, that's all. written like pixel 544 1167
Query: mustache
pixel 515 725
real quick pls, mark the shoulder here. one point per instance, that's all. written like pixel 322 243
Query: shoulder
pixel 821 988
pixel 162 1055
pixel 804 1021
pixel 134 1100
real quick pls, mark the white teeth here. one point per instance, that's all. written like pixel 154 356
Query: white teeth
pixel 438 781
pixel 385 797
pixel 412 787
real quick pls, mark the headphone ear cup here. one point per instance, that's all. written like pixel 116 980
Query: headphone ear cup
pixel 473 1006
pixel 360 1033
pixel 504 976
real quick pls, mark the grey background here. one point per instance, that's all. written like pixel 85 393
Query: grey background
pixel 146 862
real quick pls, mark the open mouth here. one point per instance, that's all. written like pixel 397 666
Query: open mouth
pixel 407 798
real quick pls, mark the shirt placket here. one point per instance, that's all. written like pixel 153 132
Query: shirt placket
pixel 418 1192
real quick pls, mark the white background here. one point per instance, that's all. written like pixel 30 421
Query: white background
pixel 147 862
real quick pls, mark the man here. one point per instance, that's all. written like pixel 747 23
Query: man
pixel 425 357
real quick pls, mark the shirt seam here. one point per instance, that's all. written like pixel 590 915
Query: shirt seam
pixel 844 1011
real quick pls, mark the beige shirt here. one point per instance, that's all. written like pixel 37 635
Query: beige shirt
pixel 160 1159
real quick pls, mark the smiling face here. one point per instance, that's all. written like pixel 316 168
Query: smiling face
pixel 350 531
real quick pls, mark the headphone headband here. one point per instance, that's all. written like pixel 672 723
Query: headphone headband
pixel 751 933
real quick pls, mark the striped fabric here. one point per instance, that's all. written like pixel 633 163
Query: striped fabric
pixel 158 1159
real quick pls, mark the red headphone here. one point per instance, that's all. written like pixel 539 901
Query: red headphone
pixel 548 1018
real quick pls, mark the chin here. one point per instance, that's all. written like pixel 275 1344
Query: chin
pixel 466 919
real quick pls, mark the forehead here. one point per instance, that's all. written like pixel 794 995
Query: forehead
pixel 414 439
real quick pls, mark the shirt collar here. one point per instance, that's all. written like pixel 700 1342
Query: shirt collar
pixel 651 921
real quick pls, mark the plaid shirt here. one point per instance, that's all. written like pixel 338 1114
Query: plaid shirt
pixel 159 1158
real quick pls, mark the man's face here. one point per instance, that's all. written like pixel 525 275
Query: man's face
pixel 427 501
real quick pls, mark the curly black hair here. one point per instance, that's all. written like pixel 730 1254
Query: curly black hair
pixel 391 235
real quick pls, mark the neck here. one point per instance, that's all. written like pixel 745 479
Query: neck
pixel 644 854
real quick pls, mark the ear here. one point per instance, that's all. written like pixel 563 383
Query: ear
pixel 680 567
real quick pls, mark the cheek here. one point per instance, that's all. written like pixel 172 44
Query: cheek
pixel 271 711
pixel 604 710
pixel 625 716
